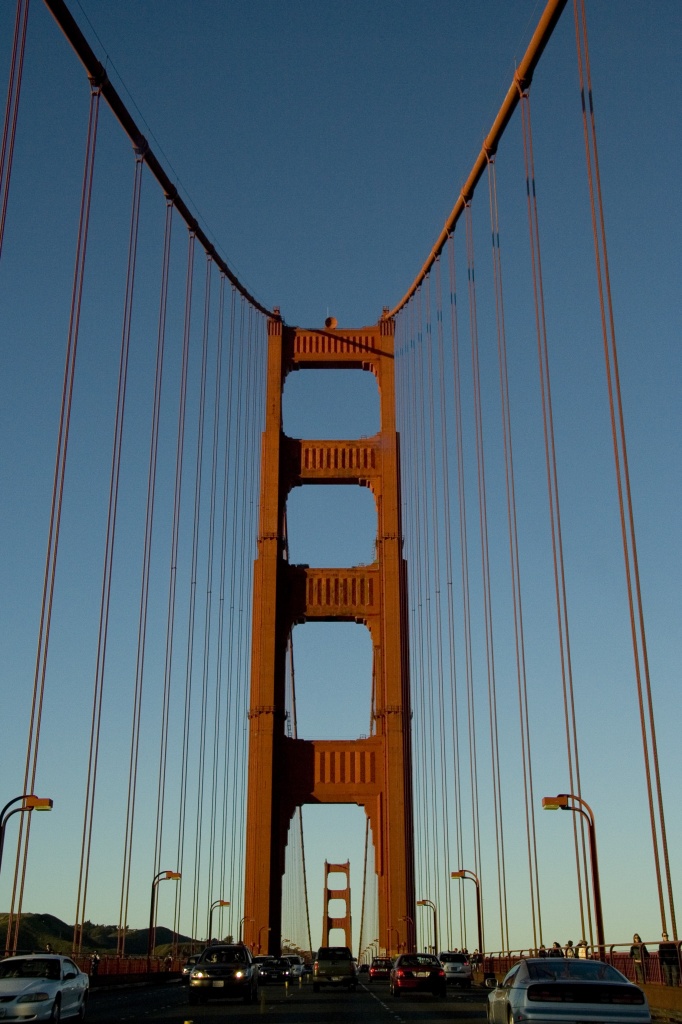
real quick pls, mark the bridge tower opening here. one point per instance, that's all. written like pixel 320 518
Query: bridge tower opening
pixel 374 772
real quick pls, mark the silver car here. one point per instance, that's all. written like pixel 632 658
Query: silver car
pixel 42 986
pixel 457 967
pixel 566 991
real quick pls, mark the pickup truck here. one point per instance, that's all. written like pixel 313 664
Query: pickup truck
pixel 334 965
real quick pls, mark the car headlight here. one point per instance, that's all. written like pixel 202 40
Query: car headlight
pixel 239 974
pixel 34 997
pixel 199 974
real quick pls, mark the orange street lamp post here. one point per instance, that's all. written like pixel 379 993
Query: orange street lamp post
pixel 152 910
pixel 428 903
pixel 465 873
pixel 216 903
pixel 571 802
pixel 30 803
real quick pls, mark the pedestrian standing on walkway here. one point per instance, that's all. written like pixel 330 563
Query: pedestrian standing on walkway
pixel 669 959
pixel 639 954
pixel 569 948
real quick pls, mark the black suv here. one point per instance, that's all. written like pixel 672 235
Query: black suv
pixel 224 970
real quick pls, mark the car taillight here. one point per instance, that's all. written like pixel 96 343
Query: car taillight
pixel 401 973
pixel 631 997
pixel 441 973
pixel 540 994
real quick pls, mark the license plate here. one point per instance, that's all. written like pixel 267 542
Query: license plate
pixel 336 978
pixel 218 984
pixel 421 974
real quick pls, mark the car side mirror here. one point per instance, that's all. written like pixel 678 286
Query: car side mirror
pixel 491 982
pixel 69 975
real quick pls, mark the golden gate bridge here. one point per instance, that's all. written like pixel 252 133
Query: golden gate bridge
pixel 157 663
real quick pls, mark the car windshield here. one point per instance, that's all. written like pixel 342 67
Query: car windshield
pixel 30 968
pixel 576 970
pixel 334 953
pixel 453 958
pixel 224 956
pixel 418 960
pixel 381 963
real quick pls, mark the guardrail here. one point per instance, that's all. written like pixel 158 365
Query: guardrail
pixel 646 969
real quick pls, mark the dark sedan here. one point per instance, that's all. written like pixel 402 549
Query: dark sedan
pixel 274 969
pixel 417 972
pixel 224 970
pixel 379 968
pixel 563 990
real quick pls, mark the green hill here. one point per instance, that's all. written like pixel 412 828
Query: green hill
pixel 36 931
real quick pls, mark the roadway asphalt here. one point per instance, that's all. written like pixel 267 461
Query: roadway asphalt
pixel 371 1004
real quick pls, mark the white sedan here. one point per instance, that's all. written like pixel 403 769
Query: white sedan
pixel 566 991
pixel 42 987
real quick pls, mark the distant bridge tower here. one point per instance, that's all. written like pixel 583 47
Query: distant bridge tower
pixel 329 922
pixel 374 772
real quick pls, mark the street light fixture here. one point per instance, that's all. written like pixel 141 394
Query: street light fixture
pixel 241 927
pixel 428 903
pixel 465 873
pixel 159 877
pixel 571 802
pixel 216 903
pixel 30 803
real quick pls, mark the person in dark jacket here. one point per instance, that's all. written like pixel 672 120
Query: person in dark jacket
pixel 669 959
pixel 556 950
pixel 639 954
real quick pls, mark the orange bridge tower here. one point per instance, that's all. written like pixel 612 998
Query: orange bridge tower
pixel 373 772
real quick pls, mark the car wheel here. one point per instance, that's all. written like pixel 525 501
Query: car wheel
pixel 56 1014
pixel 80 1016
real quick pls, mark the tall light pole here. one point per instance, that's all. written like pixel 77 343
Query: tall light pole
pixel 428 903
pixel 465 873
pixel 160 876
pixel 571 802
pixel 410 931
pixel 216 903
pixel 30 803
pixel 263 928
pixel 241 927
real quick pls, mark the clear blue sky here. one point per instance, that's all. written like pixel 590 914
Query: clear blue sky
pixel 322 146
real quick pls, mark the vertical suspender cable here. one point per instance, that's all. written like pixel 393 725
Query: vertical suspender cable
pixel 555 517
pixel 482 517
pixel 637 625
pixel 234 666
pixel 175 540
pixel 430 545
pixel 55 517
pixel 464 554
pixel 454 715
pixel 103 630
pixel 225 617
pixel 149 516
pixel 9 130
pixel 438 439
